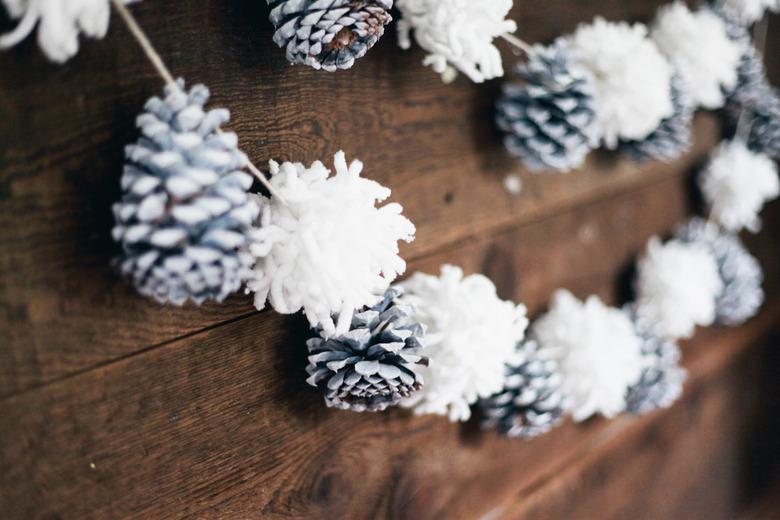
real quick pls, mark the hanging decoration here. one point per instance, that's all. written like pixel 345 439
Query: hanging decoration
pixel 549 116
pixel 741 274
pixel 736 183
pixel 677 285
pixel 631 79
pixel 185 216
pixel 698 45
pixel 599 353
pixel 457 35
pixel 531 402
pixel 59 24
pixel 370 367
pixel 661 383
pixel 328 34
pixel 471 335
pixel 323 246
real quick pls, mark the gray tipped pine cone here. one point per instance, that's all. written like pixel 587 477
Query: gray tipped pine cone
pixel 549 117
pixel 742 276
pixel 531 402
pixel 328 34
pixel 763 122
pixel 372 366
pixel 662 379
pixel 185 213
pixel 672 138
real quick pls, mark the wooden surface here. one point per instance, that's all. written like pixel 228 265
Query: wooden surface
pixel 114 407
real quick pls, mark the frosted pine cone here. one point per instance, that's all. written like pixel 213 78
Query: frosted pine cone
pixel 672 138
pixel 531 402
pixel 550 116
pixel 662 379
pixel 750 11
pixel 328 34
pixel 764 124
pixel 740 272
pixel 370 367
pixel 185 215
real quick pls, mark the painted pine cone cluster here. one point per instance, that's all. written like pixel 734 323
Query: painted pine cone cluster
pixel 185 214
pixel 328 34
pixel 662 380
pixel 672 138
pixel 549 118
pixel 531 402
pixel 372 366
pixel 742 276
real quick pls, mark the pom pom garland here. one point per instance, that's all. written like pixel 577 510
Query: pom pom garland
pixel 662 378
pixel 530 403
pixel 470 337
pixel 677 285
pixel 698 45
pixel 457 34
pixel 736 183
pixel 550 117
pixel 632 80
pixel 597 350
pixel 185 218
pixel 741 274
pixel 328 34
pixel 327 249
pixel 59 24
pixel 370 367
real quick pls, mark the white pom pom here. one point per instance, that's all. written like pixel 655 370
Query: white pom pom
pixel 599 354
pixel 330 250
pixel 736 184
pixel 699 47
pixel 470 335
pixel 677 287
pixel 59 24
pixel 632 79
pixel 457 34
pixel 750 11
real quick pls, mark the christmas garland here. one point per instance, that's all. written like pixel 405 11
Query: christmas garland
pixel 324 242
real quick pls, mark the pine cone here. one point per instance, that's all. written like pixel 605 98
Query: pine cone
pixel 370 367
pixel 672 138
pixel 662 379
pixel 764 123
pixel 185 214
pixel 328 34
pixel 550 118
pixel 742 295
pixel 531 402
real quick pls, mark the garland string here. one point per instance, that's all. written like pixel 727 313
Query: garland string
pixel 165 73
pixel 518 43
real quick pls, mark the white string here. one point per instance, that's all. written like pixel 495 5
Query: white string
pixel 518 43
pixel 166 75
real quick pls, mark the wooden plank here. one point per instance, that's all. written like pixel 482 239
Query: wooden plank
pixel 222 423
pixel 65 310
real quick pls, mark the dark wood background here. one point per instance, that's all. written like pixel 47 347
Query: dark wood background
pixel 114 407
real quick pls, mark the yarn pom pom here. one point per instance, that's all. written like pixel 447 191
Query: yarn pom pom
pixel 677 285
pixel 186 215
pixel 662 378
pixel 531 402
pixel 740 272
pixel 550 116
pixel 736 183
pixel 457 34
pixel 370 367
pixel 328 34
pixel 672 138
pixel 631 78
pixel 597 350
pixel 327 249
pixel 470 337
pixel 699 47
pixel 59 24
pixel 750 11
